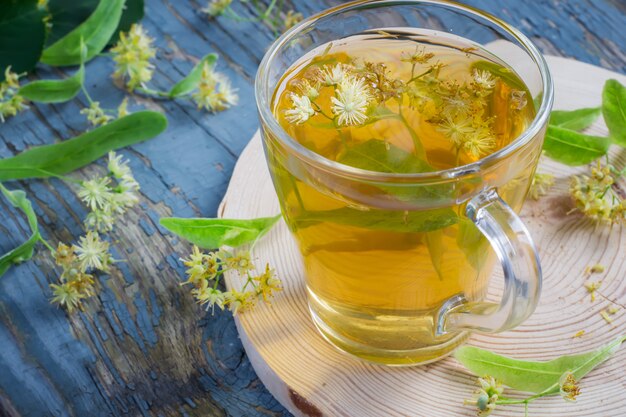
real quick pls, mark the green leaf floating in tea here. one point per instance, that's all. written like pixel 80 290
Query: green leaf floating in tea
pixel 388 220
pixel 472 242
pixel 376 155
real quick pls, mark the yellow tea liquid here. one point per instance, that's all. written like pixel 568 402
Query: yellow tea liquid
pixel 379 273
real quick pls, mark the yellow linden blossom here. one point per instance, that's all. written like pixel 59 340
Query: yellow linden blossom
pixel 486 397
pixel 301 110
pixel 75 284
pixel 594 197
pixel 201 266
pixel 92 252
pixel 66 295
pixel 132 54
pixel 216 7
pixel 95 115
pixel 418 57
pixel 209 296
pixel 480 142
pixel 351 101
pixel 11 103
pixel 456 129
pixel 267 283
pixel 239 301
pixel 215 92
pixel 568 387
pixel 483 80
pixel 240 263
pixel 122 110
pixel 96 193
pixel 333 75
pixel 540 185
pixel 64 255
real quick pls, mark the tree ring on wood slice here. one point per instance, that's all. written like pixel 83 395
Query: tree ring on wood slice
pixel 311 378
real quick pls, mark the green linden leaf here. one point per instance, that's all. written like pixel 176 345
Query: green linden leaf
pixel 23 32
pixel 25 251
pixel 573 148
pixel 96 32
pixel 575 119
pixel 614 110
pixel 68 14
pixel 190 82
pixel 215 233
pixel 54 91
pixel 533 376
pixel 61 158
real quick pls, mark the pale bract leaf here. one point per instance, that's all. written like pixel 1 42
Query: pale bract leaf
pixel 214 233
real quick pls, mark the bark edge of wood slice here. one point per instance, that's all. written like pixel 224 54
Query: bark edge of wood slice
pixel 311 378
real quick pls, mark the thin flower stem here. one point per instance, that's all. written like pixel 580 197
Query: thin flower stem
pixel 46 244
pixel 320 111
pixel 86 93
pixel 418 76
pixel 153 92
pixel 417 143
pixel 269 9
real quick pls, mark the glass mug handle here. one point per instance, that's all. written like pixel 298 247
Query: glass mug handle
pixel 522 272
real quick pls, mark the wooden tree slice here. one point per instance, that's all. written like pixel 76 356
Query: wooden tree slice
pixel 311 378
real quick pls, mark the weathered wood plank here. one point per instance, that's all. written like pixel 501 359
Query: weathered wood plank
pixel 142 347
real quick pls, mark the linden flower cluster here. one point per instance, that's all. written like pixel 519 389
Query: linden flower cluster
pixel 204 271
pixel 215 92
pixel 11 103
pixel 457 110
pixel 595 198
pixel 540 185
pixel 568 387
pixel 486 397
pixel 132 54
pixel 349 105
pixel 78 261
pixel 110 196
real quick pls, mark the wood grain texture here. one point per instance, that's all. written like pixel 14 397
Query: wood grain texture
pixel 142 348
pixel 311 378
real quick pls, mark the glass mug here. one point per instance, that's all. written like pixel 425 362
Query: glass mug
pixel 402 297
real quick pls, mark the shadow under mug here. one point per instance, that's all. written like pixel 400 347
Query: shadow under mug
pixel 406 310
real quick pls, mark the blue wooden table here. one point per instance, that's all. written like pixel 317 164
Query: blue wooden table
pixel 142 347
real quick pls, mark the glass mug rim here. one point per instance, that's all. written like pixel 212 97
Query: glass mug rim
pixel 263 99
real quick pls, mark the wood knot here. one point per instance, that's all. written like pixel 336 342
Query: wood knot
pixel 304 405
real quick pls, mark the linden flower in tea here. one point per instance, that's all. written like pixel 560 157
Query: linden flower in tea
pixel 448 110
